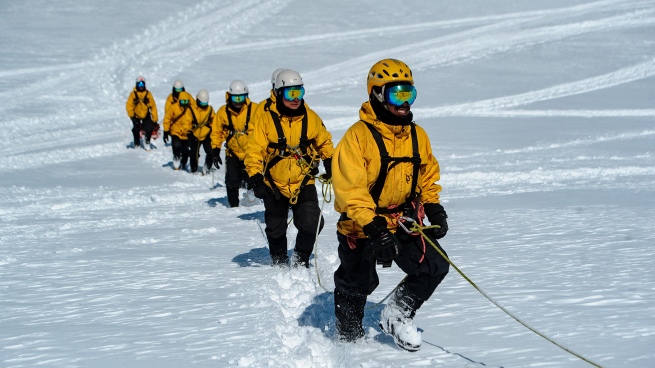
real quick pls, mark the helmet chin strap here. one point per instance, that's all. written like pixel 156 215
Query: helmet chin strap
pixel 380 97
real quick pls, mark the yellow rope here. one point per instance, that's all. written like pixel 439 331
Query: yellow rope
pixel 417 228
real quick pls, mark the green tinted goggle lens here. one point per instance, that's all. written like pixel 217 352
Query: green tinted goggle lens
pixel 238 98
pixel 292 93
pixel 184 102
pixel 398 95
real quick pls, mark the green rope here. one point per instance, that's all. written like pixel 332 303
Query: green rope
pixel 417 228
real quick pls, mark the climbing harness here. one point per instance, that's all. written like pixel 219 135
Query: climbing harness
pixel 305 160
pixel 232 131
pixel 387 162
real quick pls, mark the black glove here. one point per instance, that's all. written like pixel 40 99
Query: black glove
pixel 259 188
pixel 216 155
pixel 327 164
pixel 385 244
pixel 166 137
pixel 437 216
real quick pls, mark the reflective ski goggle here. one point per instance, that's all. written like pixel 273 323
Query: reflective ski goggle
pixel 178 90
pixel 140 84
pixel 238 98
pixel 184 102
pixel 202 103
pixel 398 95
pixel 292 93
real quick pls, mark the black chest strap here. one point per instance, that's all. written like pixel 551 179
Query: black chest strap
pixel 387 162
pixel 230 126
pixel 284 150
pixel 281 146
pixel 145 100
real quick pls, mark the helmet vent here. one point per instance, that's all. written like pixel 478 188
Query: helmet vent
pixel 385 72
pixel 395 75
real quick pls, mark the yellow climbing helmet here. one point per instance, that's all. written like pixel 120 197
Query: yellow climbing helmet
pixel 387 71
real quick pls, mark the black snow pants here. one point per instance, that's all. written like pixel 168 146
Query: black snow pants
pixel 306 214
pixel 235 177
pixel 356 277
pixel 145 124
pixel 194 148
pixel 181 150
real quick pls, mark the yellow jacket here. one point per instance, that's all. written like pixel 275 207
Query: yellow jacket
pixel 356 166
pixel 287 174
pixel 262 108
pixel 178 120
pixel 204 120
pixel 170 101
pixel 140 103
pixel 237 138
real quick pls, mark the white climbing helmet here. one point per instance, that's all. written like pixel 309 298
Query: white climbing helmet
pixel 274 76
pixel 178 84
pixel 237 87
pixel 203 96
pixel 288 78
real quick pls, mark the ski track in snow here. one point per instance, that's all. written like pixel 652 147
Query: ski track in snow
pixel 466 45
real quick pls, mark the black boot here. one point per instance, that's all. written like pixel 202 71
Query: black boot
pixel 349 313
pixel 300 259
pixel 233 197
pixel 278 250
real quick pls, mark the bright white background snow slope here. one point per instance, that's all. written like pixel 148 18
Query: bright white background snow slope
pixel 541 114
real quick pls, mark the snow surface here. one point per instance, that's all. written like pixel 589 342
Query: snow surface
pixel 541 114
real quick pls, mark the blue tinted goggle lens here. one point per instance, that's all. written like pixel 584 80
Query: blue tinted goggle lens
pixel 140 84
pixel 184 102
pixel 202 104
pixel 398 95
pixel 178 90
pixel 238 98
pixel 292 93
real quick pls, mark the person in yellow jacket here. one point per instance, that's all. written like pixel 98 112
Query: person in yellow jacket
pixel 178 86
pixel 142 110
pixel 178 124
pixel 264 105
pixel 375 196
pixel 231 125
pixel 281 161
pixel 203 117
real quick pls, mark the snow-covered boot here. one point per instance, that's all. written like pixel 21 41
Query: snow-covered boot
pixel 278 250
pixel 300 259
pixel 349 313
pixel 176 163
pixel 397 319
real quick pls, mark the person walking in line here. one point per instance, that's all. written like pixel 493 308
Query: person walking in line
pixel 231 125
pixel 281 160
pixel 264 106
pixel 178 125
pixel 172 99
pixel 203 117
pixel 384 177
pixel 142 110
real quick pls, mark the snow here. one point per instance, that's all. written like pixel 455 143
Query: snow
pixel 541 114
